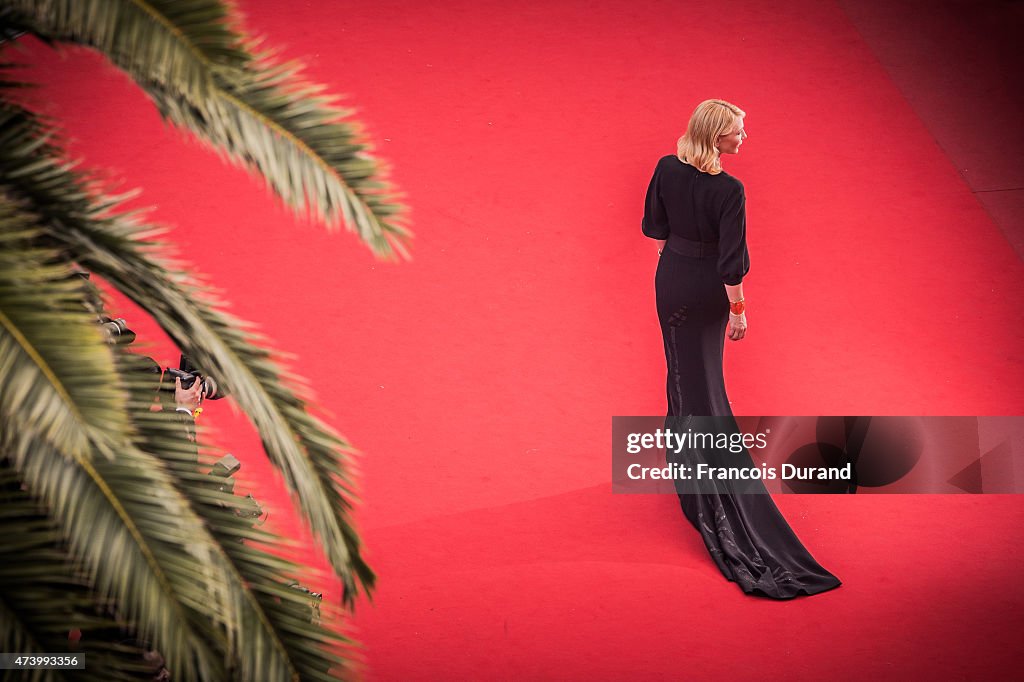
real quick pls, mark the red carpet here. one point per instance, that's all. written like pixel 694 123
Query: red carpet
pixel 480 379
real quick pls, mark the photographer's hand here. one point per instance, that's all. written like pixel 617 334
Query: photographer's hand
pixel 188 398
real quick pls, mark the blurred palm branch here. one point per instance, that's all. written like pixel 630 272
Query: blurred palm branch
pixel 110 525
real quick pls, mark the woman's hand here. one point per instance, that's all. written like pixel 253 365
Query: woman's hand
pixel 737 326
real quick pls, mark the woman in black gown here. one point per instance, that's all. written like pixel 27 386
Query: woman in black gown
pixel 699 212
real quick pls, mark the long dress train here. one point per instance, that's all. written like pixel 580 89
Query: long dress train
pixel 747 536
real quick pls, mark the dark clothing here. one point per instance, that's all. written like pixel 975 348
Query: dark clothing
pixel 703 218
pixel 684 204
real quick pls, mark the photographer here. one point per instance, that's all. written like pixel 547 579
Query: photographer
pixel 188 404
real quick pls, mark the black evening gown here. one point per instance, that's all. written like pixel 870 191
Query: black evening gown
pixel 703 218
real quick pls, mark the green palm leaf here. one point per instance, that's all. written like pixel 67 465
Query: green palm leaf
pixel 202 74
pixel 70 394
pixel 268 119
pixel 313 459
pixel 43 596
pixel 275 638
pixel 143 525
pixel 101 499
pixel 106 505
pixel 309 454
pixel 167 41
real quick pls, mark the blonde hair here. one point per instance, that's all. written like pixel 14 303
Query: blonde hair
pixel 710 119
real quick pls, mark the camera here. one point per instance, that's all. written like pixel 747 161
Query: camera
pixel 118 333
pixel 117 330
pixel 189 375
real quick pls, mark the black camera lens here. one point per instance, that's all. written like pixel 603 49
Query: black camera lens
pixel 117 330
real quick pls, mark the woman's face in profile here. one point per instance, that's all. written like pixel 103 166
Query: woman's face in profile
pixel 730 142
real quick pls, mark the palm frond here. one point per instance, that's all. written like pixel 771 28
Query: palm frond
pixel 276 638
pixel 313 459
pixel 165 41
pixel 113 509
pixel 204 76
pixel 44 596
pixel 303 146
pixel 140 524
pixel 71 395
pixel 104 498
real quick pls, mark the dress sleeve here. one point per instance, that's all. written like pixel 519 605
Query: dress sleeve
pixel 655 222
pixel 733 259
